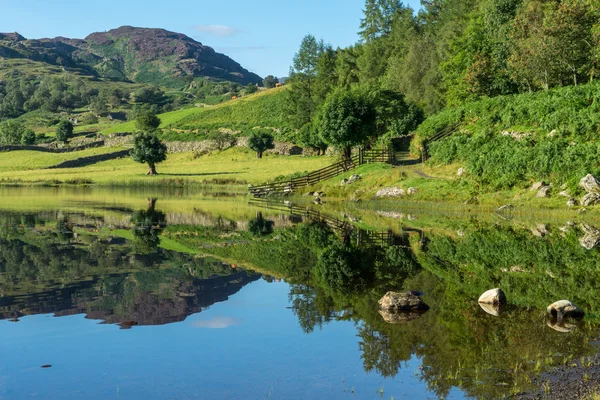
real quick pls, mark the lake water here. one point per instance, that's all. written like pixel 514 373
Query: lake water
pixel 176 294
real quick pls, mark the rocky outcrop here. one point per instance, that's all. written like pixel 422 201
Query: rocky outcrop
pixel 398 302
pixel 591 237
pixel 544 192
pixel 590 184
pixel 564 309
pixel 537 186
pixel 351 180
pixel 590 199
pixel 391 192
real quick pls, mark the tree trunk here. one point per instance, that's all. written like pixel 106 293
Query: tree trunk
pixel 259 154
pixel 152 169
pixel 348 153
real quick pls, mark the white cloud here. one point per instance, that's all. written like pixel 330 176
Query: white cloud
pixel 216 323
pixel 217 30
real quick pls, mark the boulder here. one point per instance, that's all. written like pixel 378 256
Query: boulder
pixel 543 192
pixel 572 202
pixel 406 301
pixel 590 184
pixel 391 192
pixel 412 191
pixel 537 186
pixel 590 199
pixel 493 296
pixel 354 178
pixel 591 239
pixel 564 309
pixel 344 182
pixel 564 193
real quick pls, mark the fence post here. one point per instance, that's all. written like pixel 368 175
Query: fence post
pixel 360 156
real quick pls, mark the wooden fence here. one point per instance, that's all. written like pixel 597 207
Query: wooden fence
pixel 343 166
pixel 444 133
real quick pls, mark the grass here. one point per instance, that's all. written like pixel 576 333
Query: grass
pixel 232 166
pixel 260 109
pixel 34 160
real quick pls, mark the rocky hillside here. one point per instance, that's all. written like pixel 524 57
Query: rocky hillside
pixel 131 54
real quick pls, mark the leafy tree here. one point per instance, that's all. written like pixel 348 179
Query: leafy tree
pixel 395 117
pixel 250 89
pixel 98 106
pixel 64 131
pixel 11 132
pixel 270 81
pixel 222 140
pixel 347 119
pixel 309 136
pixel 148 225
pixel 149 95
pixel 260 142
pixel 147 121
pixel 147 148
pixel 28 137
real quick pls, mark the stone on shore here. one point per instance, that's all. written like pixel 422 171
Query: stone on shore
pixel 493 296
pixel 564 309
pixel 590 184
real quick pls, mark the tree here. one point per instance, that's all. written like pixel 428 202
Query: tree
pixel 222 140
pixel 149 95
pixel 147 121
pixel 11 132
pixel 64 131
pixel 270 81
pixel 28 137
pixel 260 142
pixel 250 89
pixel 343 267
pixel 303 74
pixel 98 106
pixel 347 119
pixel 147 148
pixel 148 225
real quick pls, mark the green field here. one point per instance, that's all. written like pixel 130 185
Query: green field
pixel 233 166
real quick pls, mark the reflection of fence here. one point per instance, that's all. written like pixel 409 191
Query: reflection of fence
pixel 346 229
pixel 288 187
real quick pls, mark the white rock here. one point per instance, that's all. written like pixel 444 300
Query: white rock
pixel 493 296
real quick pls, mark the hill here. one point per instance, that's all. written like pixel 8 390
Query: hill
pixel 512 141
pixel 141 55
pixel 264 109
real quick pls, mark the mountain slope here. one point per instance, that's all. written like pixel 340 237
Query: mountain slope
pixel 141 55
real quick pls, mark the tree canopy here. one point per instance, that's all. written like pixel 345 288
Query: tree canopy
pixel 148 149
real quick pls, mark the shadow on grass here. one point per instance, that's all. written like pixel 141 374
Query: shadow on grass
pixel 201 174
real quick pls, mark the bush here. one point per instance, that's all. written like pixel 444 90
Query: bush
pixel 64 131
pixel 28 137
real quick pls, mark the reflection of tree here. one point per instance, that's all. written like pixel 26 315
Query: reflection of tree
pixel 64 230
pixel 260 226
pixel 148 226
pixel 312 310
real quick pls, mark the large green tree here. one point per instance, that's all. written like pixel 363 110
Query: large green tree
pixel 11 132
pixel 348 118
pixel 260 142
pixel 147 121
pixel 64 131
pixel 148 149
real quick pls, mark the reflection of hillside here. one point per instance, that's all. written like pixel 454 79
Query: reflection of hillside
pixel 122 299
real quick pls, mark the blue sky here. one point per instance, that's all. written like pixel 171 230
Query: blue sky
pixel 262 35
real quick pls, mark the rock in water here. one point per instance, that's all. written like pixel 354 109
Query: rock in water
pixel 408 301
pixel 564 309
pixel 590 184
pixel 399 317
pixel 590 199
pixel 493 296
pixel 492 309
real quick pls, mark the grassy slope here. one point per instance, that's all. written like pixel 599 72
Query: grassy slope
pixel 260 109
pixel 35 160
pixel 236 164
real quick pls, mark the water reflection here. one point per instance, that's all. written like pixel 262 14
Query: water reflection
pixel 147 265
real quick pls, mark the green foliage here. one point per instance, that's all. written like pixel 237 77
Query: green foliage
pixel 260 226
pixel 270 81
pixel 260 141
pixel 64 131
pixel 147 121
pixel 250 89
pixel 147 148
pixel 347 119
pixel 11 132
pixel 343 267
pixel 28 137
pixel 222 140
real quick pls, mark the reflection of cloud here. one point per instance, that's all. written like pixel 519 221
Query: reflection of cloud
pixel 217 30
pixel 216 323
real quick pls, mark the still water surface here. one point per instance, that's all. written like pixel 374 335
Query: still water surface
pixel 179 295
